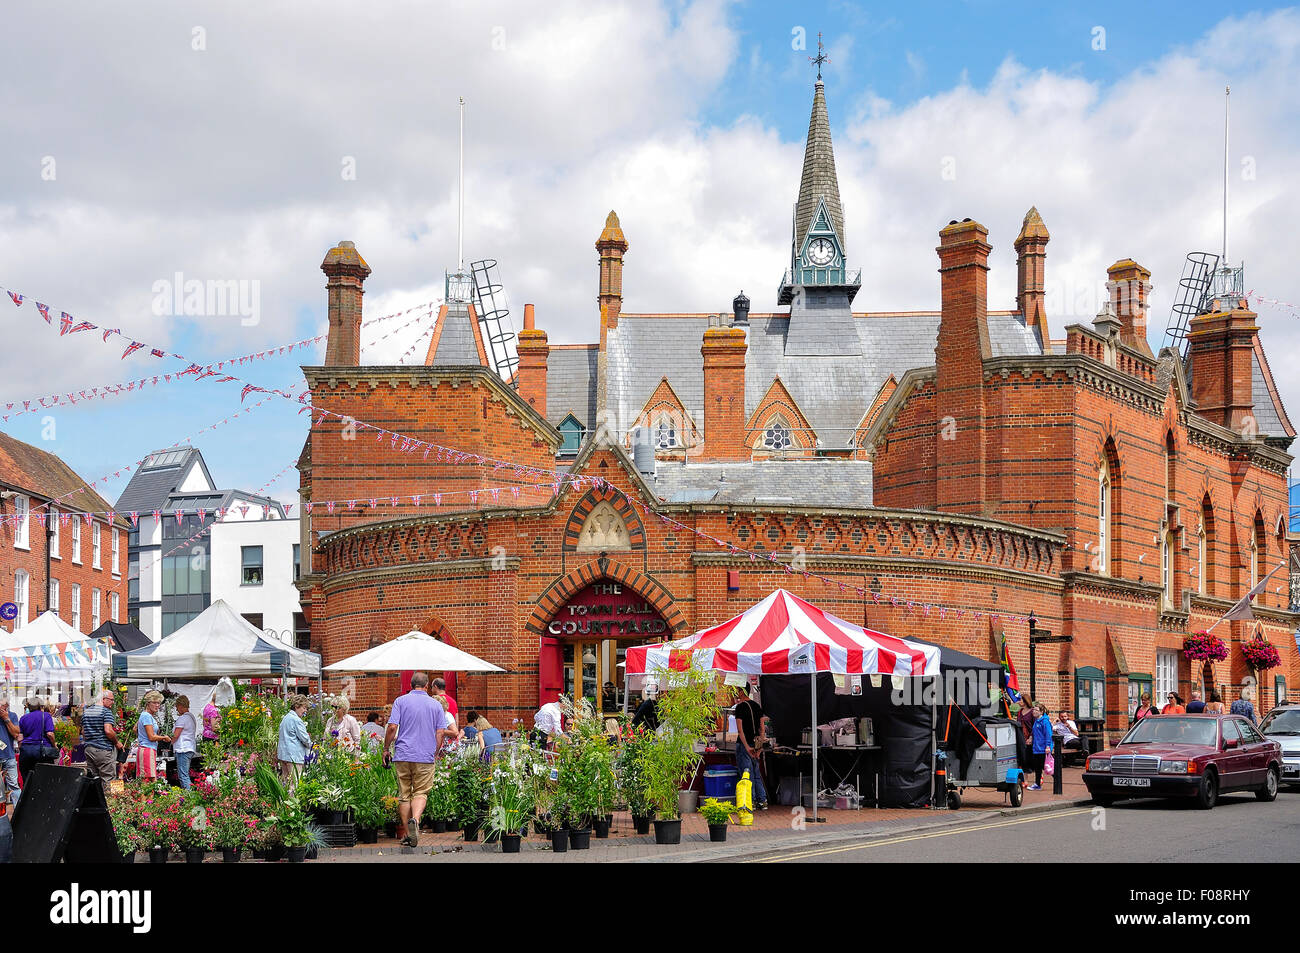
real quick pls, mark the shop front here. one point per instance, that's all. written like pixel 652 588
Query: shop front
pixel 586 642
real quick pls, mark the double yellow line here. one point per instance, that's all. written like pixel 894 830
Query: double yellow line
pixel 906 838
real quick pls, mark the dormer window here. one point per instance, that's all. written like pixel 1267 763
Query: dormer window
pixel 777 436
pixel 666 435
pixel 572 431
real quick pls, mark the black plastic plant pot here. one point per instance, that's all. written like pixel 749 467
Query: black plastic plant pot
pixel 580 840
pixel 230 856
pixel 470 831
pixel 600 827
pixel 560 840
pixel 367 835
pixel 717 832
pixel 128 857
pixel 439 826
pixel 194 855
pixel 158 855
pixel 295 855
pixel 668 832
pixel 510 843
pixel 641 823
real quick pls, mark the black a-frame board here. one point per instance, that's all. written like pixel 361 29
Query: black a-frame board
pixel 62 817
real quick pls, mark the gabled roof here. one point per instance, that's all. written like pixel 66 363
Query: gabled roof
pixel 41 474
pixel 818 180
pixel 571 383
pixel 158 477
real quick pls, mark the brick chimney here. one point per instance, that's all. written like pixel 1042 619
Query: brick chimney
pixel 1129 285
pixel 347 272
pixel 724 350
pixel 612 246
pixel 962 347
pixel 533 352
pixel 1221 346
pixel 1031 271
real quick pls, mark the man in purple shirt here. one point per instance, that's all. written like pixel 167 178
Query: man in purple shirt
pixel 418 725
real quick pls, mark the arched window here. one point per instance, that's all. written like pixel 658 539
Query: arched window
pixel 1258 550
pixel 777 435
pixel 666 434
pixel 572 431
pixel 1207 547
pixel 1171 461
pixel 1103 518
pixel 1201 568
pixel 1167 569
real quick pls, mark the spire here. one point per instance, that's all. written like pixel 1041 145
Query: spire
pixel 818 180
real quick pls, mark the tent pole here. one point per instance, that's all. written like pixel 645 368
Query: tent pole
pixel 934 742
pixel 816 736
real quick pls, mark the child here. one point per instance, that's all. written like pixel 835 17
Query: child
pixel 1042 744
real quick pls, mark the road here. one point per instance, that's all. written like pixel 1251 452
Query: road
pixel 1239 829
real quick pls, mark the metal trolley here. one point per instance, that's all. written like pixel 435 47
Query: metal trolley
pixel 994 765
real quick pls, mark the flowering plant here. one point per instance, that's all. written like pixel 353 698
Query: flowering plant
pixel 1204 647
pixel 1260 654
pixel 124 812
pixel 66 733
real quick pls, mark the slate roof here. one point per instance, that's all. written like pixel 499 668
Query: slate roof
pixel 41 474
pixel 149 487
pixel 834 391
pixel 457 342
pixel 818 180
pixel 797 482
pixel 571 383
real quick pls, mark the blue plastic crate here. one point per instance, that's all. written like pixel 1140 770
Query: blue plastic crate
pixel 720 783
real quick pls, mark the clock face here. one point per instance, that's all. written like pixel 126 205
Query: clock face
pixel 821 251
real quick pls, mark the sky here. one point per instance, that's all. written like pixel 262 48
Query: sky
pixel 238 143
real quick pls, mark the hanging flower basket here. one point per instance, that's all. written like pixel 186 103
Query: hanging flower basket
pixel 1260 655
pixel 1204 647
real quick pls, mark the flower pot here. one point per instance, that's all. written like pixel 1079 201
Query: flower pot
pixel 438 826
pixel 157 855
pixel 368 835
pixel 295 855
pixel 313 852
pixel 559 840
pixel 275 854
pixel 580 840
pixel 229 855
pixel 717 832
pixel 193 855
pixel 687 801
pixel 470 831
pixel 510 843
pixel 668 832
pixel 641 823
pixel 128 857
pixel 390 829
pixel 600 826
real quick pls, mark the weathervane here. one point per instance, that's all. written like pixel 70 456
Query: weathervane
pixel 820 58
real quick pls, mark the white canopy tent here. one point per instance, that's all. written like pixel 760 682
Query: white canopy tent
pixel 414 651
pixel 219 642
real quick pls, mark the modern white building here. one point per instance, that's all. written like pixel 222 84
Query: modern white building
pixel 254 566
pixel 174 561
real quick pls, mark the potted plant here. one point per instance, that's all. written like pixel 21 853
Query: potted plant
pixel 469 792
pixel 194 835
pixel 630 767
pixel 508 804
pixel 440 807
pixel 687 710
pixel 1260 654
pixel 716 814
pixel 295 830
pixel 122 812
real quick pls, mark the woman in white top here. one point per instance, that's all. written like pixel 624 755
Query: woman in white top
pixel 343 726
pixel 184 740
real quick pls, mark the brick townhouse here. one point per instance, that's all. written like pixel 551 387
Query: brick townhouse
pixel 51 557
pixel 953 470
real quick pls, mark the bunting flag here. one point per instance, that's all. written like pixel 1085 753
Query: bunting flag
pixel 83 326
pixel 44 309
pixel 131 349
pixel 65 322
pixel 18 299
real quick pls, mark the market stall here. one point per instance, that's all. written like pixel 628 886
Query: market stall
pixel 49 654
pixel 784 635
pixel 220 642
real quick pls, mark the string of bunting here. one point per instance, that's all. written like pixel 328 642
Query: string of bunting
pixel 60 655
pixel 1293 308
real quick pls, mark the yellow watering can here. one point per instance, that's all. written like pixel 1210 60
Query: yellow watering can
pixel 745 801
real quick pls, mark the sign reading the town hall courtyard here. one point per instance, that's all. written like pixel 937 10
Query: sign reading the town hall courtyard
pixel 607 610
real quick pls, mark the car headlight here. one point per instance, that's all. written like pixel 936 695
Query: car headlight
pixel 1173 767
pixel 1097 764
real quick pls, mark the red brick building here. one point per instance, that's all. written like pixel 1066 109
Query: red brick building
pixel 934 474
pixel 51 556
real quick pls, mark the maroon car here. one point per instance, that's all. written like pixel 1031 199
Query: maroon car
pixel 1197 756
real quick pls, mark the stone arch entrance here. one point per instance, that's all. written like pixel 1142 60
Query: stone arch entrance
pixel 585 622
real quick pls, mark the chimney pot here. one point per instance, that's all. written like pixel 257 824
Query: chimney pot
pixel 740 309
pixel 530 318
pixel 346 272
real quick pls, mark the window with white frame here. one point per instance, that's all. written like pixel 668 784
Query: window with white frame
pixel 1167 569
pixel 1103 519
pixel 114 605
pixel 776 435
pixel 94 546
pixel 1254 562
pixel 53 604
pixel 1166 674
pixel 1200 559
pixel 54 533
pixel 251 564
pixel 666 434
pixel 22 510
pixel 95 597
pixel 20 598
pixel 76 539
pixel 74 612
pixel 117 551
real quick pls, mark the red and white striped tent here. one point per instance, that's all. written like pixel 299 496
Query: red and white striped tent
pixel 785 635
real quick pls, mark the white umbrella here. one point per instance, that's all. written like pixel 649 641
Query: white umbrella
pixel 414 651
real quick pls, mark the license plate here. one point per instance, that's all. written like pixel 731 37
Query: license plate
pixel 1290 769
pixel 1131 782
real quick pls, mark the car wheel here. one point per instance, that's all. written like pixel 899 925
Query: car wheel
pixel 1017 795
pixel 1208 795
pixel 1269 791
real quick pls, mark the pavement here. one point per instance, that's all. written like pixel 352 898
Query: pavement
pixel 777 829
